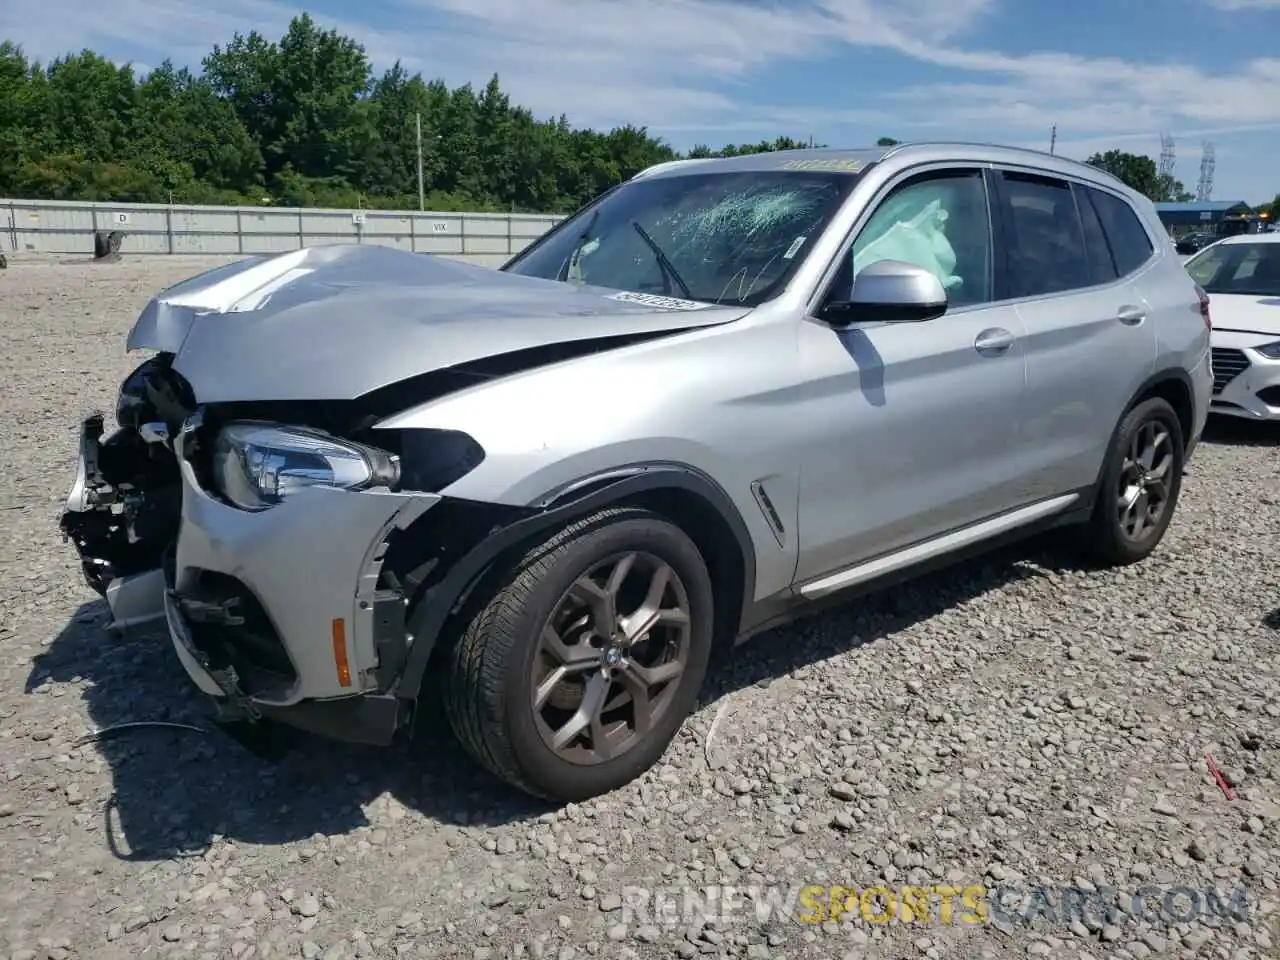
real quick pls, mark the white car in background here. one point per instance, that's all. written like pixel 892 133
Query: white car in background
pixel 1242 277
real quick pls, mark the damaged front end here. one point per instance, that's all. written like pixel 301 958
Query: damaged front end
pixel 295 612
pixel 124 507
pixel 224 507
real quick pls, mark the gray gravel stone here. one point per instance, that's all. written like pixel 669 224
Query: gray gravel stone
pixel 1014 716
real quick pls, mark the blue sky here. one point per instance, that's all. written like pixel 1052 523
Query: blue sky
pixel 1109 73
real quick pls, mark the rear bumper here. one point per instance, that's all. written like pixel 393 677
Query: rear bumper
pixel 1201 395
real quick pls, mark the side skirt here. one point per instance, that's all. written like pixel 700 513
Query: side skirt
pixel 914 561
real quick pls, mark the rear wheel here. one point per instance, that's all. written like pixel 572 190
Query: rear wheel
pixel 1141 480
pixel 578 671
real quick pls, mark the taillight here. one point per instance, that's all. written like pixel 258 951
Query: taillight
pixel 1204 307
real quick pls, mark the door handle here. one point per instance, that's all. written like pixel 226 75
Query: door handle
pixel 1131 316
pixel 993 342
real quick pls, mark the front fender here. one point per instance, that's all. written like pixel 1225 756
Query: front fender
pixel 557 510
pixel 715 403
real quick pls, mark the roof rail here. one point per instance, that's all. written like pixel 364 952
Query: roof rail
pixel 669 164
pixel 897 147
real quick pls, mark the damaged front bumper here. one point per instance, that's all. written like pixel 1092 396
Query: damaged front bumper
pixel 321 611
pixel 276 614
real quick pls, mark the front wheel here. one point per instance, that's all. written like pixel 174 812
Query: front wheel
pixel 1140 483
pixel 578 671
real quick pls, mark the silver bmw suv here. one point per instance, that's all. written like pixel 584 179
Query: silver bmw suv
pixel 352 478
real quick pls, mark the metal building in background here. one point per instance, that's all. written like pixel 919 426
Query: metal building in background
pixel 1217 217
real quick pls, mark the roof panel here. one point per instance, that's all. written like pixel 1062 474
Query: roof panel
pixel 816 159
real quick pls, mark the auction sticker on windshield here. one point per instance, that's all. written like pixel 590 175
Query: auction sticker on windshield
pixel 838 164
pixel 655 300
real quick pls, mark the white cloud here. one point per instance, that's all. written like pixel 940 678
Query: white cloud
pixel 684 65
pixel 1234 5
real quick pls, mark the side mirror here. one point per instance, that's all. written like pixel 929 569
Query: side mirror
pixel 889 291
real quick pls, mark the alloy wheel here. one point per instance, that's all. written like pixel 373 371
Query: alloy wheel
pixel 610 658
pixel 1143 494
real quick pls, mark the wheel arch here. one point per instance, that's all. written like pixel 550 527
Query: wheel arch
pixel 1174 386
pixel 681 493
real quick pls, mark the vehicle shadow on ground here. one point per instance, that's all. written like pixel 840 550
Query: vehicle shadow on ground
pixel 175 790
pixel 1237 432
pixel 883 612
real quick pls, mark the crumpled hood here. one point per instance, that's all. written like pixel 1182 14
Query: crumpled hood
pixel 335 322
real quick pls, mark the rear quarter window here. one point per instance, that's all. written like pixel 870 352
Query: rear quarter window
pixel 1102 268
pixel 1130 244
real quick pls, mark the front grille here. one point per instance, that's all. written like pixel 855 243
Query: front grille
pixel 1228 364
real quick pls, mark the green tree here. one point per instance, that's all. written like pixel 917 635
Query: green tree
pixel 301 120
pixel 1141 173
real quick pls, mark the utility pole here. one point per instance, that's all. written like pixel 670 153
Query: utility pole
pixel 1053 138
pixel 422 197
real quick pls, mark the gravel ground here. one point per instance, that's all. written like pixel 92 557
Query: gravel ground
pixel 1013 722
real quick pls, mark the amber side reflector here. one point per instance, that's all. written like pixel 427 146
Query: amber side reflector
pixel 340 651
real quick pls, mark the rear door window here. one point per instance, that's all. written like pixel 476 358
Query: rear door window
pixel 1044 239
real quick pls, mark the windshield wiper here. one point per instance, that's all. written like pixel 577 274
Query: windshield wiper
pixel 664 264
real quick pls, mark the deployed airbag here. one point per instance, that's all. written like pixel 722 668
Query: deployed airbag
pixel 920 239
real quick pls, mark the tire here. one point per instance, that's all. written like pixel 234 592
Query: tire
pixel 488 688
pixel 1106 538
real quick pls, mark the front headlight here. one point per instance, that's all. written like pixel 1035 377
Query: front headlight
pixel 256 465
pixel 1270 350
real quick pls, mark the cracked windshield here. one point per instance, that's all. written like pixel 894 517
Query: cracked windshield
pixel 729 238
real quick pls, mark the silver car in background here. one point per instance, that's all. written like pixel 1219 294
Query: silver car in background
pixel 352 478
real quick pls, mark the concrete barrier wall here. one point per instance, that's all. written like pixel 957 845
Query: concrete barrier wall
pixel 67 227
